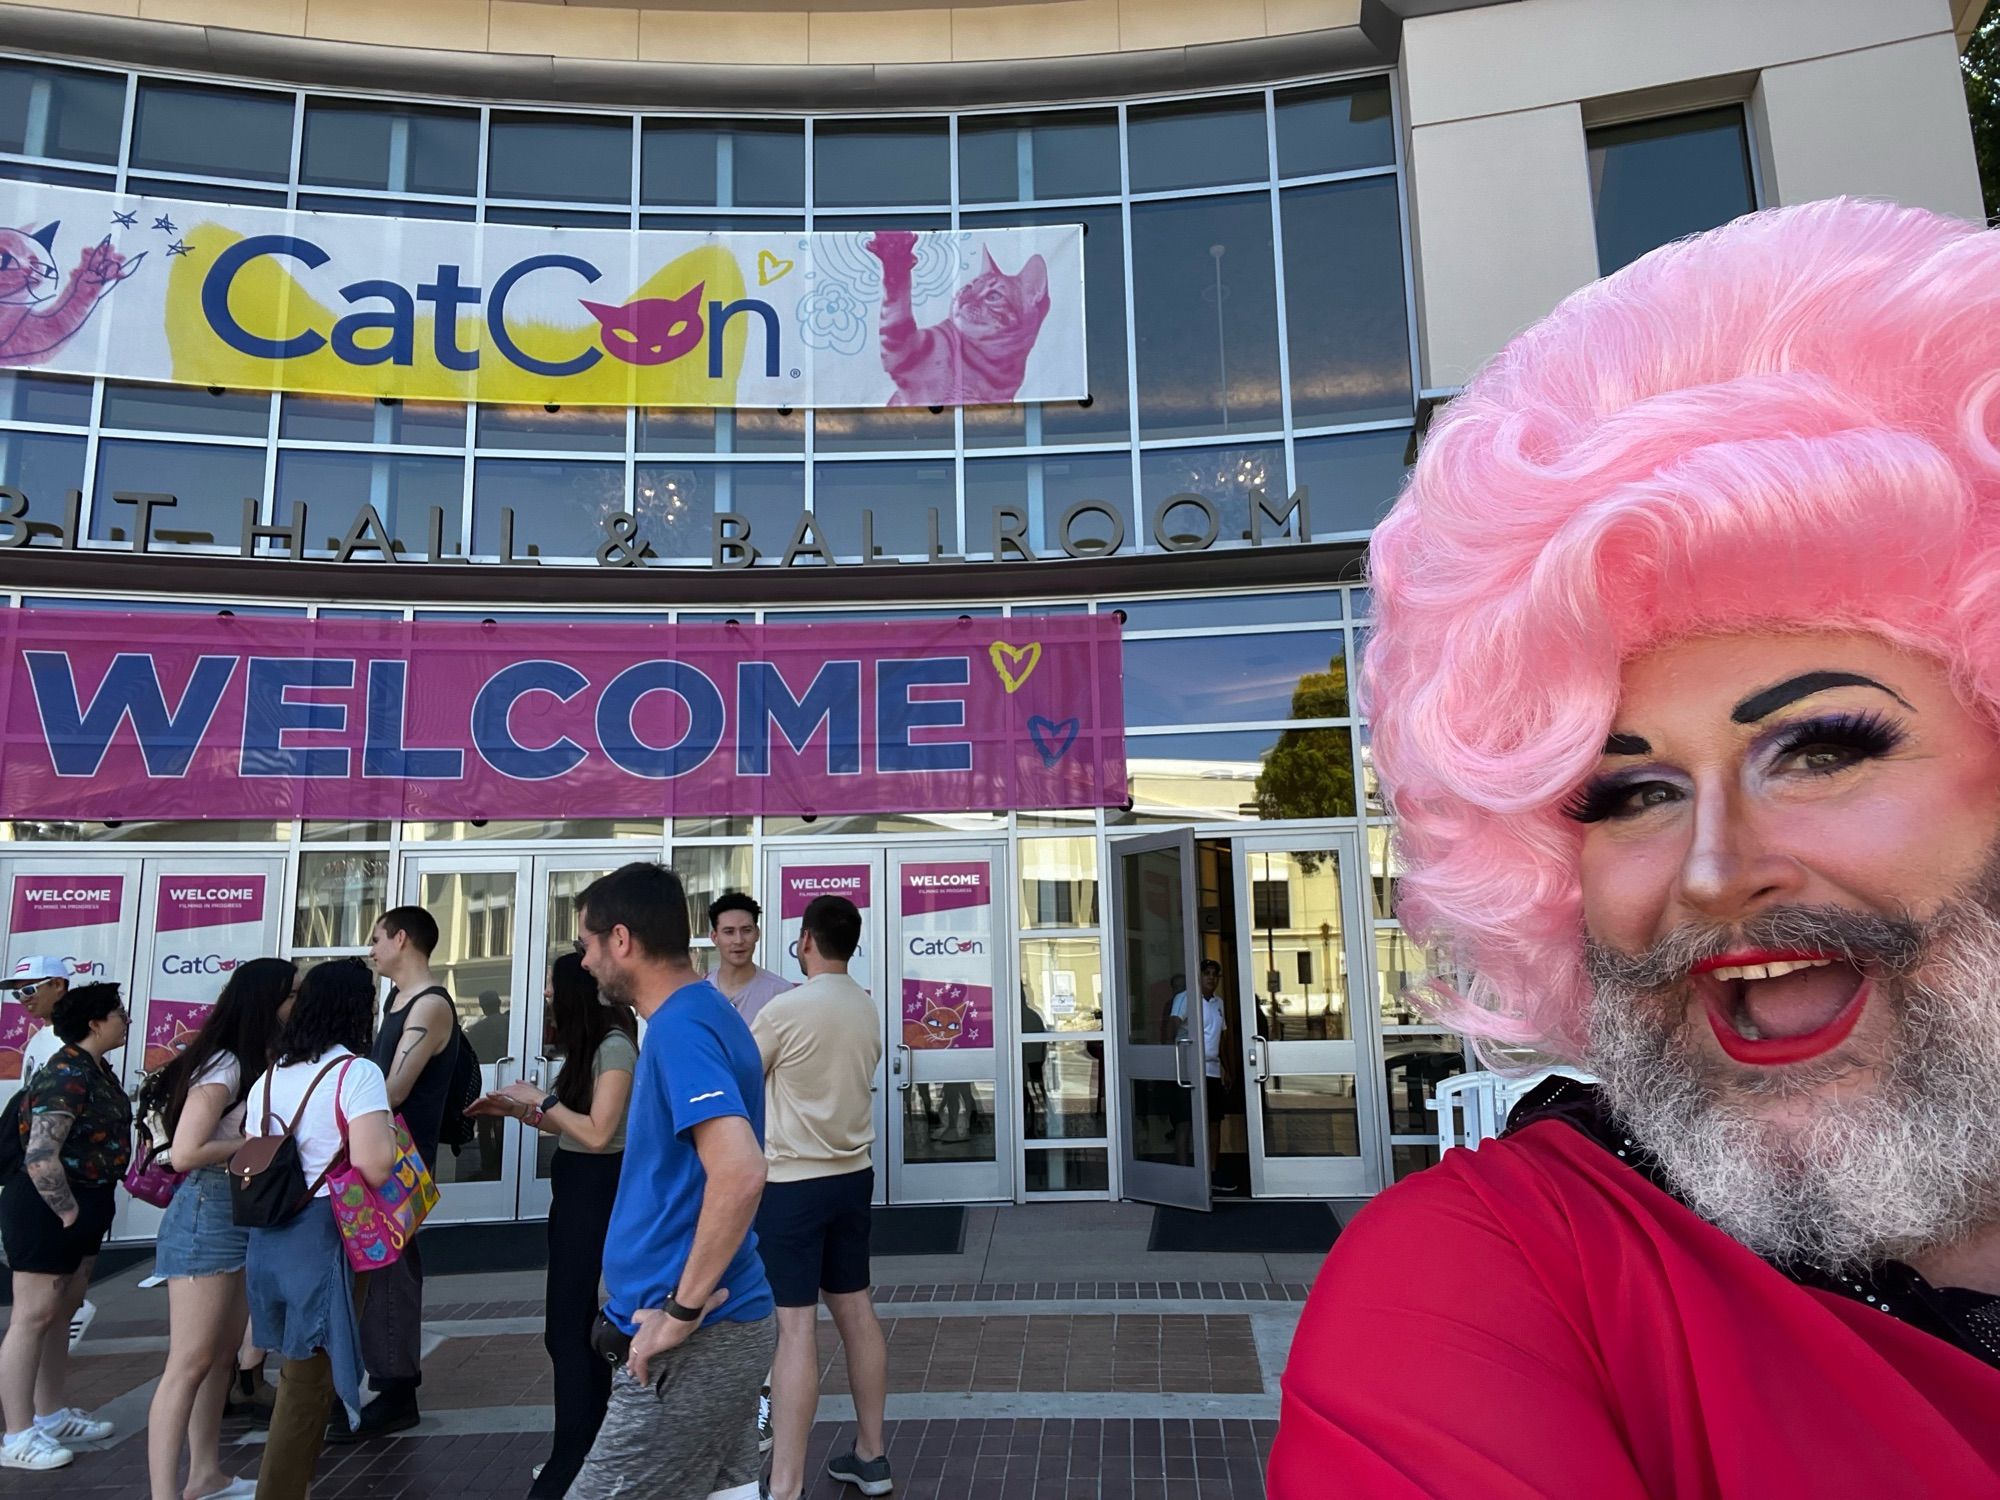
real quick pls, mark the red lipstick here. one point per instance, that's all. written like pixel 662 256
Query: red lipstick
pixel 1772 1052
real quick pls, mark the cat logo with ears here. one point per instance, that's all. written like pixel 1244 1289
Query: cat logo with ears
pixel 653 330
pixel 39 309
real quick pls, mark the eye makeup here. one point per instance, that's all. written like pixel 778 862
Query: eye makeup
pixel 1854 736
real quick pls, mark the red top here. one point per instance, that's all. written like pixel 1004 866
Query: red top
pixel 1535 1318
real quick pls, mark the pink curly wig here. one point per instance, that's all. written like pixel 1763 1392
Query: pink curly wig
pixel 1787 423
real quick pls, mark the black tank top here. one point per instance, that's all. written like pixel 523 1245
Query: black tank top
pixel 423 1111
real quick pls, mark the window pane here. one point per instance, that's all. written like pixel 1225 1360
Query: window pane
pixel 1058 883
pixel 43 398
pixel 1101 417
pixel 557 218
pixel 186 408
pixel 711 828
pixel 1339 127
pixel 341 894
pixel 45 468
pixel 47 111
pixel 1062 1086
pixel 1350 333
pixel 564 158
pixel 1014 158
pixel 1198 145
pixel 13 171
pixel 1206 305
pixel 1225 477
pixel 349 144
pixel 517 830
pixel 573 429
pixel 205 192
pixel 1251 774
pixel 1656 180
pixel 902 428
pixel 743 164
pixel 233 132
pixel 210 484
pixel 901 498
pixel 1350 481
pixel 388 208
pixel 1403 971
pixel 1413 1067
pixel 1067 1169
pixel 1222 679
pixel 1276 608
pixel 1064 981
pixel 708 430
pixel 403 489
pixel 706 871
pixel 882 162
pixel 340 419
pixel 1044 490
pixel 559 508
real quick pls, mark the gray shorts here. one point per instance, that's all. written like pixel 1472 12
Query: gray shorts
pixel 692 1433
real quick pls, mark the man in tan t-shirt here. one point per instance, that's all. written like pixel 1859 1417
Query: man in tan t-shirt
pixel 821 1044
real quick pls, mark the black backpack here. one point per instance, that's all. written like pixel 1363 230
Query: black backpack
pixel 456 1129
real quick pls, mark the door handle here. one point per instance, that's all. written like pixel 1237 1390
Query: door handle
pixel 902 1068
pixel 1180 1073
pixel 1260 1058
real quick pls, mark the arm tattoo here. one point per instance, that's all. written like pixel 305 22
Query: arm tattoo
pixel 412 1038
pixel 43 1161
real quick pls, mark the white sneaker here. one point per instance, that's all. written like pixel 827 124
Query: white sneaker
pixel 33 1449
pixel 79 1324
pixel 72 1426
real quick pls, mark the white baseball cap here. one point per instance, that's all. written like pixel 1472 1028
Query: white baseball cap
pixel 32 971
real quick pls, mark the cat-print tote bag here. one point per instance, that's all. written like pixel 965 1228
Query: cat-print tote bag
pixel 377 1222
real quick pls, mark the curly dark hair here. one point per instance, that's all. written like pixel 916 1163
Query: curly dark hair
pixel 243 1022
pixel 335 1008
pixel 582 1022
pixel 82 1005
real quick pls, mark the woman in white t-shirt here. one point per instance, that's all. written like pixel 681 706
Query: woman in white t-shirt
pixel 198 1100
pixel 303 1300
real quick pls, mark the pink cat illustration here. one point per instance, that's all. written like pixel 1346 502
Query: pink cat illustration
pixel 980 352
pixel 653 330
pixel 35 317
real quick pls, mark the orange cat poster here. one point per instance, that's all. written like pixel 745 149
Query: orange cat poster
pixel 948 959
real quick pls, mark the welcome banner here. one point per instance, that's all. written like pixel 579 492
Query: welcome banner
pixel 116 716
pixel 272 299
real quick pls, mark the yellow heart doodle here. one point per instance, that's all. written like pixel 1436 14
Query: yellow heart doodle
pixel 1026 658
pixel 772 268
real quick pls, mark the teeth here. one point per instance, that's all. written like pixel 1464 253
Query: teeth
pixel 1768 971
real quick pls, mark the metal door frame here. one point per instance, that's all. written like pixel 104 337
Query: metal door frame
pixel 1144 1181
pixel 1361 1054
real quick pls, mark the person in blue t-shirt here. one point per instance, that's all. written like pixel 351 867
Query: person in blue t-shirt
pixel 689 1321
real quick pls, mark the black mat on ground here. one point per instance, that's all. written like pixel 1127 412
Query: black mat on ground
pixel 462 1249
pixel 938 1230
pixel 1246 1228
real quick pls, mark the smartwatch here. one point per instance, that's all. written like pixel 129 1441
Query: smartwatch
pixel 679 1313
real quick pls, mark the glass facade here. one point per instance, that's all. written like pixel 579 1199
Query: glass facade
pixel 1250 339
pixel 1654 181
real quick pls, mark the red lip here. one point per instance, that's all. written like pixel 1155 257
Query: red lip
pixel 1743 958
pixel 1772 1052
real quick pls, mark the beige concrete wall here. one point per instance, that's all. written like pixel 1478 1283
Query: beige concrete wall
pixel 1846 96
pixel 762 31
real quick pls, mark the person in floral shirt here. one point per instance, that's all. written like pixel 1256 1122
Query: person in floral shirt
pixel 54 1214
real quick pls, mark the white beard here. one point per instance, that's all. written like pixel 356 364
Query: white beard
pixel 1909 1167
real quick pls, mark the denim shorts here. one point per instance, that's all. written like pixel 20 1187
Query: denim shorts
pixel 197 1235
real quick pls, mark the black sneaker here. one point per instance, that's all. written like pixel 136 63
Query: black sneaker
pixel 868 1475
pixel 380 1417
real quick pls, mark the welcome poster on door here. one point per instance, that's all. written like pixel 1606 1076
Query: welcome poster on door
pixel 203 927
pixel 76 918
pixel 948 954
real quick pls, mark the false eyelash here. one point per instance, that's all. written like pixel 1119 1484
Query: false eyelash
pixel 1598 799
pixel 1868 733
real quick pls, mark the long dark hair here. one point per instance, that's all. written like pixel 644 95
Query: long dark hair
pixel 335 1008
pixel 582 1023
pixel 243 1022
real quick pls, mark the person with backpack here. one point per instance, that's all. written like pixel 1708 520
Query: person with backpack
pixel 330 1105
pixel 75 1137
pixel 200 1249
pixel 418 1047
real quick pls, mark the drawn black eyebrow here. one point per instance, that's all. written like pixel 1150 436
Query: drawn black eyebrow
pixel 1767 701
pixel 1627 744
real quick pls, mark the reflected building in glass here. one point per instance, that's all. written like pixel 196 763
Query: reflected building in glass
pixel 1299 236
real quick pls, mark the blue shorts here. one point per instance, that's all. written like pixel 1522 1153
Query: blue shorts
pixel 197 1236
pixel 813 1236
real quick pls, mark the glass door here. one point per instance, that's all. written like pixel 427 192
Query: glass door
pixel 1163 1136
pixel 552 932
pixel 1311 1049
pixel 952 1007
pixel 483 958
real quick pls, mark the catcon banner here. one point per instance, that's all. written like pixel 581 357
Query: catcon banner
pixel 948 957
pixel 276 299
pixel 204 926
pixel 111 716
pixel 799 886
pixel 74 917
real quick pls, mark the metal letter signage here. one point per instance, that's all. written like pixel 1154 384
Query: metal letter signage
pixel 113 716
pixel 272 299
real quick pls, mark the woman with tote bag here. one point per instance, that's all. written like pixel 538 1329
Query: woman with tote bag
pixel 303 1299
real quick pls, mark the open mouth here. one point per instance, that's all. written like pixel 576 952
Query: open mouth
pixel 1775 1008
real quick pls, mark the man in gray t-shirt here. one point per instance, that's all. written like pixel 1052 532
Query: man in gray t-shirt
pixel 733 919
